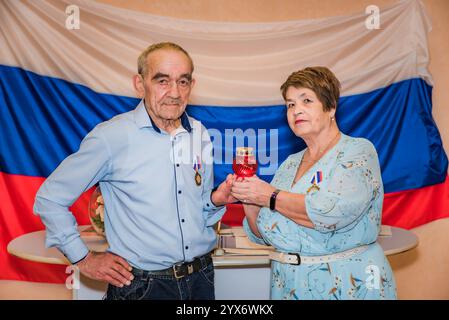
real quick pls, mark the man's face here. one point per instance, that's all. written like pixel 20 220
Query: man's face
pixel 167 84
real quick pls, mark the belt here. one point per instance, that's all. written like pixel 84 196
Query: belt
pixel 296 259
pixel 183 269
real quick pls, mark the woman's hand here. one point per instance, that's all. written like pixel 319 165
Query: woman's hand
pixel 253 191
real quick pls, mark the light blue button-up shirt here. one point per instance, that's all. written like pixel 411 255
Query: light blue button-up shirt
pixel 155 213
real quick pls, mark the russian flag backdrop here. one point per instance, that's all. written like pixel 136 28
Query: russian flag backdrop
pixel 58 82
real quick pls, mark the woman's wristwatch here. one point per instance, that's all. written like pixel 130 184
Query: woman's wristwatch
pixel 273 199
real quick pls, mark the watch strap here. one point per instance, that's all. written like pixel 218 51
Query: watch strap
pixel 273 199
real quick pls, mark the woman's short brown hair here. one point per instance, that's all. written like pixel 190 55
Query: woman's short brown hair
pixel 318 79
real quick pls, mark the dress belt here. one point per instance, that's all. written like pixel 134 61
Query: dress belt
pixel 296 259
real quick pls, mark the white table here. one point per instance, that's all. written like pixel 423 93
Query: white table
pixel 250 274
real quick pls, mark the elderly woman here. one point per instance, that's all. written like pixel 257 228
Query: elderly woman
pixel 322 211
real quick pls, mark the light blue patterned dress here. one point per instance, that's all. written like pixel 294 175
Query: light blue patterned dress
pixel 346 211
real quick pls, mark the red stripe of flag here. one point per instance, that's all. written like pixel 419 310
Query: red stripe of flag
pixel 16 218
pixel 407 209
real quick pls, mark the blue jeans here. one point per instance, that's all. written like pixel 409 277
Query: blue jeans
pixel 147 286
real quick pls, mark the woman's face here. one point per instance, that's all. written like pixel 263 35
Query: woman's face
pixel 305 114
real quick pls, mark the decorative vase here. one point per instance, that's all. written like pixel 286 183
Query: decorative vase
pixel 96 211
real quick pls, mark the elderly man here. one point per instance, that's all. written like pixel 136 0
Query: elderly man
pixel 154 168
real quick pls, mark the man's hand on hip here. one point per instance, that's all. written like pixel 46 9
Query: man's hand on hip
pixel 107 267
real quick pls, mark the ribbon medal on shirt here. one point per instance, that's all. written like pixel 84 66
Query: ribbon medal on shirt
pixel 316 179
pixel 197 167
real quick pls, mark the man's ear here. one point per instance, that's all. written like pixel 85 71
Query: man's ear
pixel 192 83
pixel 139 86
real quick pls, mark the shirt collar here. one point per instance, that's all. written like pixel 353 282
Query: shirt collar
pixel 143 119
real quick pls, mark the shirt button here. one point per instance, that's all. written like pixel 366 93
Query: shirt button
pixel 182 220
pixel 187 247
pixel 177 164
pixel 179 191
pixel 207 205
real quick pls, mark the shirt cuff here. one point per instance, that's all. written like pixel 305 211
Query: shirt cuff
pixel 215 216
pixel 209 205
pixel 75 250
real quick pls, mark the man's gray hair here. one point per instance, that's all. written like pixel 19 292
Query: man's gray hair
pixel 142 60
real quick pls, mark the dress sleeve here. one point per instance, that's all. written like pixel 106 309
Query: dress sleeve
pixel 353 185
pixel 250 234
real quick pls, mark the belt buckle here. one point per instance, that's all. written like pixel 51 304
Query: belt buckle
pixel 297 256
pixel 175 271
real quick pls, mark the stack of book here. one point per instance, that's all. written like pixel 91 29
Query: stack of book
pixel 233 240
